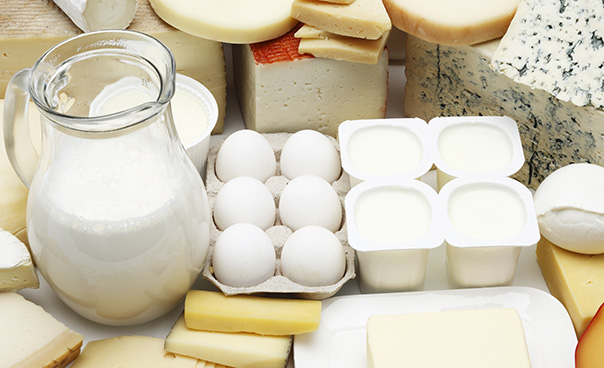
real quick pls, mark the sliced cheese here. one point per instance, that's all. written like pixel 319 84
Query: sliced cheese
pixel 328 45
pixel 134 352
pixel 360 19
pixel 476 338
pixel 95 15
pixel 32 338
pixel 446 22
pixel 29 34
pixel 16 267
pixel 577 280
pixel 213 311
pixel 231 349
pixel 232 21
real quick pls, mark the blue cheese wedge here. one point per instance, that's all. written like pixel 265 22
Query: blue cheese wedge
pixel 556 46
pixel 16 268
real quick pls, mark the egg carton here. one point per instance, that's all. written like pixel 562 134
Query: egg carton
pixel 278 233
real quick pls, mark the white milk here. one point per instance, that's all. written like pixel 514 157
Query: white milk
pixel 133 235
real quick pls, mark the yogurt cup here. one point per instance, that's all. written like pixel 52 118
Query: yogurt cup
pixel 487 223
pixel 392 226
pixel 474 146
pixel 378 149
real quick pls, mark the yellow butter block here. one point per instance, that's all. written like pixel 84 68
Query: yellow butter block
pixel 213 311
pixel 245 350
pixel 577 280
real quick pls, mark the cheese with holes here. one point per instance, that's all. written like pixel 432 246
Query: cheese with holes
pixel 329 45
pixel 577 280
pixel 32 338
pixel 213 311
pixel 462 22
pixel 232 349
pixel 16 267
pixel 134 351
pixel 474 338
pixel 556 46
pixel 280 90
pixel 361 19
pixel 29 28
pixel 452 81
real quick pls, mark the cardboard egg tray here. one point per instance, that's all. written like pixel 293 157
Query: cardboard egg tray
pixel 278 233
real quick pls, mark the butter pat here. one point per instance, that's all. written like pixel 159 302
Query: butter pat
pixel 477 338
pixel 134 352
pixel 577 280
pixel 213 311
pixel 16 268
pixel 32 338
pixel 244 350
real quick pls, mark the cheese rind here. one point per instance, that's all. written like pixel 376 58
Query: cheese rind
pixel 244 350
pixel 213 311
pixel 94 15
pixel 16 267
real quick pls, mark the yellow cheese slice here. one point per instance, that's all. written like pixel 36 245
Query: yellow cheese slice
pixel 232 349
pixel 16 267
pixel 36 26
pixel 360 19
pixel 213 311
pixel 134 351
pixel 577 280
pixel 32 338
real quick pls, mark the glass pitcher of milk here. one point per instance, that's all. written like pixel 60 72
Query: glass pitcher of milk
pixel 117 215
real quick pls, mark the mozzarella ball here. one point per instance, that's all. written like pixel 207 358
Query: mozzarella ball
pixel 310 152
pixel 313 256
pixel 310 200
pixel 243 256
pixel 245 153
pixel 244 199
pixel 570 208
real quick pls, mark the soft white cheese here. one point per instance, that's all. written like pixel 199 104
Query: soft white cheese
pixel 16 268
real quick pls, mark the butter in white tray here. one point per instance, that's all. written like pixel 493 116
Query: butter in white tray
pixel 475 338
pixel 17 270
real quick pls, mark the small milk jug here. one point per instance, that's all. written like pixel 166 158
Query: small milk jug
pixel 117 215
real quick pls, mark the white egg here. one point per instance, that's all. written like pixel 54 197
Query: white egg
pixel 310 200
pixel 310 152
pixel 243 256
pixel 570 208
pixel 245 153
pixel 313 256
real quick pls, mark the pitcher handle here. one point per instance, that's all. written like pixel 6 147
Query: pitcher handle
pixel 17 139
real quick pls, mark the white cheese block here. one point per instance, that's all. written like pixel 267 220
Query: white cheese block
pixel 556 46
pixel 451 81
pixel 280 90
pixel 361 19
pixel 29 34
pixel 476 338
pixel 16 268
pixel 95 15
pixel 32 338
pixel 232 21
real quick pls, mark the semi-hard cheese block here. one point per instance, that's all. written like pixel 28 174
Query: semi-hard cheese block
pixel 133 351
pixel 556 46
pixel 16 267
pixel 244 350
pixel 361 18
pixel 280 90
pixel 476 338
pixel 577 280
pixel 452 81
pixel 29 28
pixel 213 311
pixel 32 338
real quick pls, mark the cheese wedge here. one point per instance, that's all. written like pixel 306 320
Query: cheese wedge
pixel 232 349
pixel 16 267
pixel 95 15
pixel 577 280
pixel 213 311
pixel 32 338
pixel 446 22
pixel 28 35
pixel 360 19
pixel 134 352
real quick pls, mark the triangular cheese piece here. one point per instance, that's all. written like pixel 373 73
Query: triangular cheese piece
pixel 16 267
